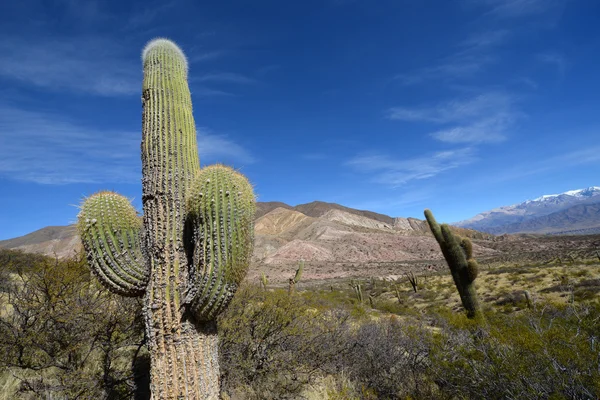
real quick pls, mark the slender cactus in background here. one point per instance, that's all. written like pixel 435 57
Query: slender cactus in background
pixel 413 280
pixel 264 281
pixel 357 290
pixel 397 292
pixel 528 299
pixel 296 278
pixel 191 250
pixel 458 253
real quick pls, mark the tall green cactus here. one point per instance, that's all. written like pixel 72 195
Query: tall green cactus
pixel 458 253
pixel 192 248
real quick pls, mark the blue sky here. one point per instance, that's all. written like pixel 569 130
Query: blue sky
pixel 387 105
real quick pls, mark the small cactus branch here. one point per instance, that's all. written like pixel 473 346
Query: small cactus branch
pixel 221 209
pixel 110 230
pixel 458 253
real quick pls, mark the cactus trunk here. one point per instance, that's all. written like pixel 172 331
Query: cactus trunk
pixel 194 245
pixel 170 161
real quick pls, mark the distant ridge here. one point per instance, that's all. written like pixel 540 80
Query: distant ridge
pixel 316 231
pixel 317 209
pixel 542 214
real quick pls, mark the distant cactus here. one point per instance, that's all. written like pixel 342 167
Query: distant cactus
pixel 192 248
pixel 264 281
pixel 528 299
pixel 371 301
pixel 458 253
pixel 357 290
pixel 413 280
pixel 293 281
pixel 397 292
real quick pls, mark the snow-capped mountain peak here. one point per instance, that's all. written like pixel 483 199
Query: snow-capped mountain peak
pixel 492 221
pixel 587 192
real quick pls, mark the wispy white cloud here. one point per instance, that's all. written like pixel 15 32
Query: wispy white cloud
pixel 548 165
pixel 397 172
pixel 488 130
pixel 453 67
pixel 199 57
pixel 43 148
pixel 314 156
pixel 89 65
pixel 49 149
pixel 228 77
pixel 485 39
pixel 412 197
pixel 471 56
pixel 518 8
pixel 483 118
pixel 148 14
pixel 220 148
pixel 557 60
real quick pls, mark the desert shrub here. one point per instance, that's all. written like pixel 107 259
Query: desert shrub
pixel 62 336
pixel 536 355
pixel 389 359
pixel 273 344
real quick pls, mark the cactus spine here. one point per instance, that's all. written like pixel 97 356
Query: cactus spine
pixel 193 247
pixel 458 253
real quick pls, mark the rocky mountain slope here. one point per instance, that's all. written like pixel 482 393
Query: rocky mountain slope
pixel 579 219
pixel 575 210
pixel 321 234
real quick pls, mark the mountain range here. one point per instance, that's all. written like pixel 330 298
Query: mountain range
pixel 336 241
pixel 571 212
pixel 319 233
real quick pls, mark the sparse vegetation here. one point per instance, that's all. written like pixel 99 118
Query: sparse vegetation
pixel 320 343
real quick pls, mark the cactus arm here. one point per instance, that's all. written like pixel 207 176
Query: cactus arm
pixel 111 235
pixel 221 207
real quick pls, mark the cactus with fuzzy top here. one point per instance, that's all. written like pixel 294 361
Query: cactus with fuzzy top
pixel 458 253
pixel 192 248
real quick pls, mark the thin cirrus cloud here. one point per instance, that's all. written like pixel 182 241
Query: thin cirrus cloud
pixel 397 172
pixel 227 77
pixel 484 118
pixel 48 149
pixel 453 67
pixel 471 56
pixel 557 60
pixel 88 65
pixel 518 8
